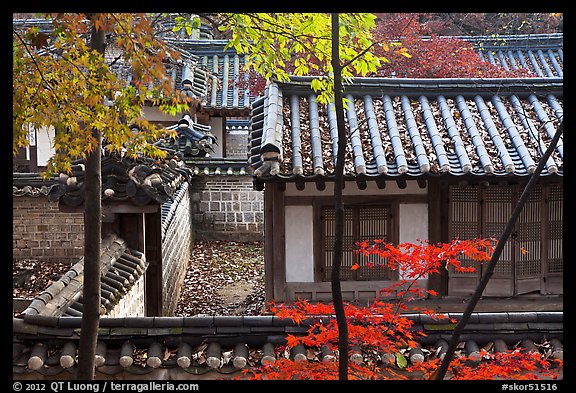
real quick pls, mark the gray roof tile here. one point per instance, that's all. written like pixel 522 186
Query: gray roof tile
pixel 481 127
pixel 120 266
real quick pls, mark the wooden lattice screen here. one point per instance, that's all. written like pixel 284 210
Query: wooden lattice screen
pixel 360 223
pixel 555 261
pixel 529 238
pixel 464 218
pixel 531 260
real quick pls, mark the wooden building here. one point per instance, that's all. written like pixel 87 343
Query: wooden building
pixel 426 159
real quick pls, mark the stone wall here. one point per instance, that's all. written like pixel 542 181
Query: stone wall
pixel 42 232
pixel 236 144
pixel 227 208
pixel 177 241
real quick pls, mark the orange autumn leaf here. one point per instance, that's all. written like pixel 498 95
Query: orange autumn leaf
pixel 381 328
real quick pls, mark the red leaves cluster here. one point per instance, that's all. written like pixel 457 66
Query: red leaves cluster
pixel 434 56
pixel 510 365
pixel 417 260
pixel 380 328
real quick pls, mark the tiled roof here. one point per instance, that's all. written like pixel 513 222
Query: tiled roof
pixel 409 128
pixel 542 54
pixel 141 181
pixel 120 266
pixel 218 167
pixel 228 89
pixel 193 140
pixel 32 184
pixel 200 344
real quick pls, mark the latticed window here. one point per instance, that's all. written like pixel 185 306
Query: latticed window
pixel 360 223
pixel 532 256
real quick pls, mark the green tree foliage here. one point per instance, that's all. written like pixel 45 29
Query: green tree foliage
pixel 283 44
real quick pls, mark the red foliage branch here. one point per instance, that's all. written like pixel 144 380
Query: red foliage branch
pixel 381 331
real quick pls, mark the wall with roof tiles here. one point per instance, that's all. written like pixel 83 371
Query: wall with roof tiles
pixel 177 240
pixel 131 304
pixel 227 208
pixel 42 232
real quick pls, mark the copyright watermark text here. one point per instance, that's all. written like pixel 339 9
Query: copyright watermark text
pixel 100 387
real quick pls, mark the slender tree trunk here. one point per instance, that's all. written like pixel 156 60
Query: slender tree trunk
pixel 339 206
pixel 92 242
pixel 441 372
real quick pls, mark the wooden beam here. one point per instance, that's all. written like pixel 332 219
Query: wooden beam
pixel 381 183
pixel 152 236
pixel 268 242
pixel 279 245
pixel 435 232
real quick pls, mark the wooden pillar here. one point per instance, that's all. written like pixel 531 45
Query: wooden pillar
pixel 438 230
pixel 153 252
pixel 274 243
pixel 279 244
pixel 268 242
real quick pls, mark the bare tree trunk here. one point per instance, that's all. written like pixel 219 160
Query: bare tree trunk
pixel 339 207
pixel 441 372
pixel 92 242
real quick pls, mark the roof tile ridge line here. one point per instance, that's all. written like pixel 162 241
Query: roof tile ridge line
pixel 547 69
pixel 54 289
pixel 435 136
pixel 533 133
pixel 376 139
pixel 225 79
pixel 354 134
pixel 514 134
pixel 534 63
pixel 543 117
pixel 297 168
pixel 454 134
pixel 333 126
pixel 415 137
pixel 528 83
pixel 315 136
pixel 235 88
pixel 503 61
pixel 486 117
pixel 395 139
pixel 214 81
pixel 26 322
pixel 511 59
pixel 555 63
pixel 529 36
pixel 474 134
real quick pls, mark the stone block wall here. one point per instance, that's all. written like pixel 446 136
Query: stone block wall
pixel 42 232
pixel 227 208
pixel 177 242
pixel 236 144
